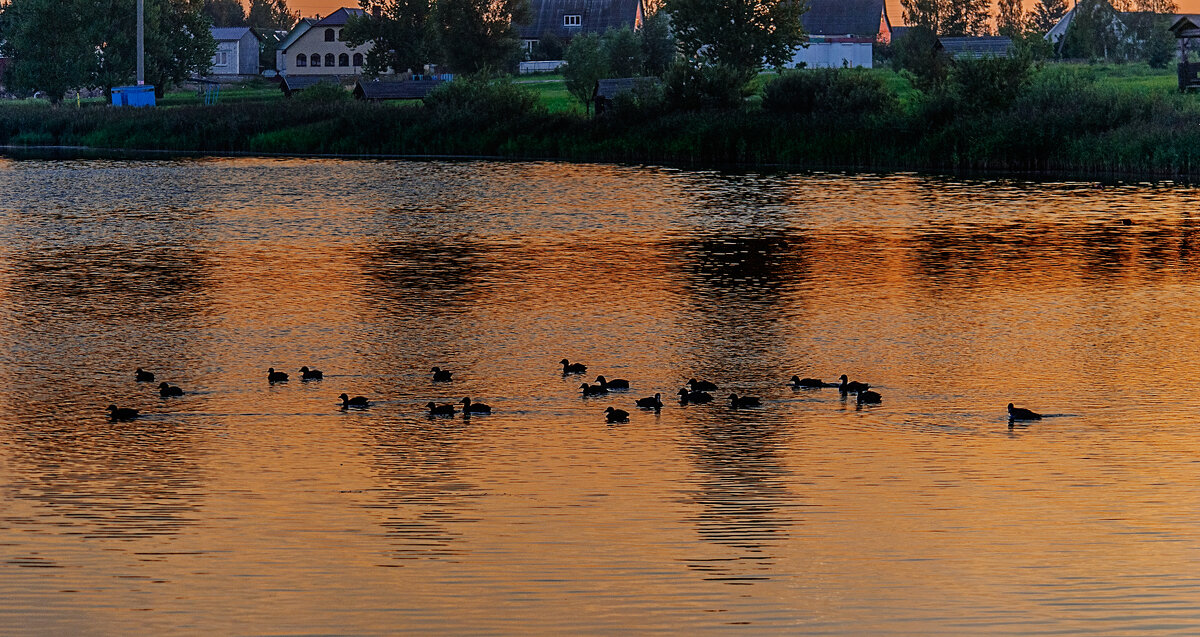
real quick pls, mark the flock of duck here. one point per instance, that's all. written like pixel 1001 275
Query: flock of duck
pixel 694 392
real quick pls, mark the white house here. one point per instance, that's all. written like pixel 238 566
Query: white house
pixel 843 33
pixel 317 48
pixel 237 52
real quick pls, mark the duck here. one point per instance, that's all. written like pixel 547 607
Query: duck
pixel 440 375
pixel 310 374
pixel 616 415
pixel 698 397
pixel 701 385
pixel 737 402
pixel 357 401
pixel 165 390
pixel 440 410
pixel 122 413
pixel 1020 413
pixel 866 397
pixel 143 376
pixel 276 377
pixel 616 383
pixel 572 368
pixel 653 402
pixel 475 408
pixel 593 390
pixel 807 383
pixel 848 387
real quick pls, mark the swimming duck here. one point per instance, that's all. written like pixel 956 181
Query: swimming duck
pixel 698 397
pixel 143 376
pixel 1020 413
pixel 848 387
pixel 869 398
pixel 701 385
pixel 593 390
pixel 165 390
pixel 440 410
pixel 807 383
pixel 122 413
pixel 616 415
pixel 572 368
pixel 738 402
pixel 310 374
pixel 276 377
pixel 440 375
pixel 616 383
pixel 653 402
pixel 357 401
pixel 475 408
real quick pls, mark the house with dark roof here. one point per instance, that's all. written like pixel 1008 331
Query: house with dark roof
pixel 237 52
pixel 319 48
pixel 842 33
pixel 996 46
pixel 382 90
pixel 567 18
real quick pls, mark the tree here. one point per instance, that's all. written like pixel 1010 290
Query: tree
pixel 1046 14
pixel 402 31
pixel 178 41
pixel 658 47
pixel 1092 33
pixel 1148 22
pixel 475 35
pixel 623 50
pixel 271 14
pixel 1010 20
pixel 741 34
pixel 549 47
pixel 586 63
pixel 948 17
pixel 39 63
pixel 225 13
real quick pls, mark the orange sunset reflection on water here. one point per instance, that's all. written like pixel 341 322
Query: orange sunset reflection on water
pixel 249 507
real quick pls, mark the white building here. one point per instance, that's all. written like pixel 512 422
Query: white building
pixel 316 47
pixel 842 33
pixel 237 52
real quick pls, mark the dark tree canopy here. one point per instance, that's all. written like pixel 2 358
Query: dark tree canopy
pixel 225 13
pixel 658 45
pixel 1046 14
pixel 1010 18
pixel 46 64
pixel 271 14
pixel 948 17
pixel 739 34
pixel 402 32
pixel 474 35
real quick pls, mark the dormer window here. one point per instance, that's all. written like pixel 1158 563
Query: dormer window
pixel 329 35
pixel 572 20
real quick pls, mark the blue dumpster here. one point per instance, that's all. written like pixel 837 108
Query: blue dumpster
pixel 133 95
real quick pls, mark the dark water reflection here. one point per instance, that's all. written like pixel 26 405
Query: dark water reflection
pixel 249 507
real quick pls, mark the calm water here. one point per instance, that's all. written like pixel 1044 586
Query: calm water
pixel 246 508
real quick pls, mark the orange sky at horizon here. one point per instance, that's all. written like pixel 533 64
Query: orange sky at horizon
pixel 310 8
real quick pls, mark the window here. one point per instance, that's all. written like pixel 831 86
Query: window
pixel 572 20
pixel 358 59
pixel 340 38
pixel 329 59
pixel 221 59
pixel 301 60
pixel 344 59
pixel 316 60
pixel 329 35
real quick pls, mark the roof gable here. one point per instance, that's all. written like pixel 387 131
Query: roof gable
pixel 228 34
pixel 339 17
pixel 596 16
pixel 300 29
pixel 844 17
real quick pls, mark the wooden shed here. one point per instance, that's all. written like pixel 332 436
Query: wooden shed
pixel 974 48
pixel 403 90
pixel 293 83
pixel 607 90
pixel 1187 30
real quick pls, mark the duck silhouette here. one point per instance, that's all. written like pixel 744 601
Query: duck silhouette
pixel 738 402
pixel 122 413
pixel 867 397
pixel 616 383
pixel 1020 413
pixel 701 385
pixel 165 390
pixel 616 415
pixel 440 410
pixel 440 375
pixel 807 383
pixel 357 401
pixel 698 397
pixel 475 408
pixel 593 390
pixel 143 376
pixel 849 387
pixel 653 402
pixel 310 374
pixel 572 368
pixel 276 377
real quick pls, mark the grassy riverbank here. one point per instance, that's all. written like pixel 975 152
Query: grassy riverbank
pixel 1059 118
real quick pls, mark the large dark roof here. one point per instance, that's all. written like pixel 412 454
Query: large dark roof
pixel 292 83
pixel 404 90
pixel 995 46
pixel 597 16
pixel 338 18
pixel 843 17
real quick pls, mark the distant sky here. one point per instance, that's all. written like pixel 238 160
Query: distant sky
pixel 309 8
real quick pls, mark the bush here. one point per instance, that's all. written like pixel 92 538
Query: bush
pixel 689 87
pixel 854 93
pixel 323 93
pixel 478 99
pixel 989 83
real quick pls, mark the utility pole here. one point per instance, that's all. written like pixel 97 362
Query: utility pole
pixel 141 42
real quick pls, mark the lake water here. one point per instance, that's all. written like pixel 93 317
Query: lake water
pixel 250 508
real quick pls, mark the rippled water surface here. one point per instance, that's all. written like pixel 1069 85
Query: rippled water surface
pixel 250 508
